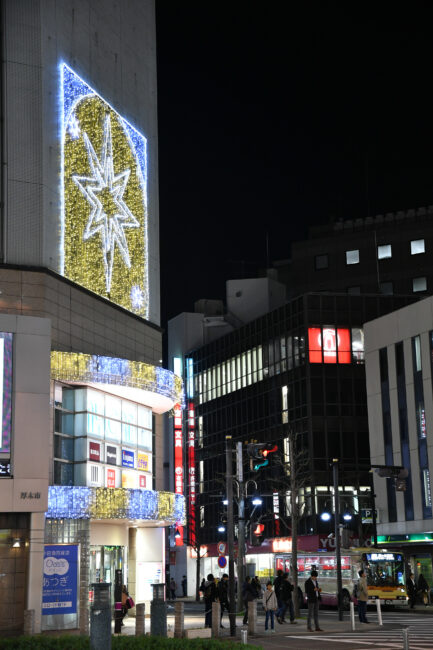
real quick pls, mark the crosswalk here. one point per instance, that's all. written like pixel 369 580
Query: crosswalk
pixel 420 635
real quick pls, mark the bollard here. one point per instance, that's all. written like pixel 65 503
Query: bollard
pixel 158 611
pixel 244 636
pixel 178 619
pixel 140 625
pixel 29 621
pixel 405 631
pixel 379 611
pixel 216 615
pixel 100 617
pixel 252 617
pixel 352 615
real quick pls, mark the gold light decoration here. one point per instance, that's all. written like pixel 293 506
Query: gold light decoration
pixel 88 368
pixel 104 215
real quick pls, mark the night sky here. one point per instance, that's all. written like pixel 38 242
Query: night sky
pixel 274 117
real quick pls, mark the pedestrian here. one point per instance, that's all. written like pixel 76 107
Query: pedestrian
pixel 411 590
pixel 125 596
pixel 257 586
pixel 313 590
pixel 172 589
pixel 248 595
pixel 286 601
pixel 362 596
pixel 201 588
pixel 184 586
pixel 278 582
pixel 423 588
pixel 270 605
pixel 223 596
pixel 210 596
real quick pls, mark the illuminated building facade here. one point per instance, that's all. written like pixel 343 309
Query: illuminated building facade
pixel 399 391
pixel 300 366
pixel 79 268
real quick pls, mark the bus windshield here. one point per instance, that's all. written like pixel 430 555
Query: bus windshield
pixel 384 569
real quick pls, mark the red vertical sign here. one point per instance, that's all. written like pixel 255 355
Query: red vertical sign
pixel 191 472
pixel 178 461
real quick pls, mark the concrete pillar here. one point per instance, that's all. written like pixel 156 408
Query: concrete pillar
pixel 132 567
pixel 36 568
pixel 140 621
pixel 179 608
pixel 158 618
pixel 252 617
pixel 29 622
pixel 216 615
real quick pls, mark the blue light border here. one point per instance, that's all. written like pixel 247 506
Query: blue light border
pixel 137 142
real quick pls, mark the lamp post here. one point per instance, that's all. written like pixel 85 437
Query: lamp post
pixel 337 537
pixel 230 534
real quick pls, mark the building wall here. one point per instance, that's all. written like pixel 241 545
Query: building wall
pixel 111 45
pixel 385 333
pixel 80 321
pixel 23 498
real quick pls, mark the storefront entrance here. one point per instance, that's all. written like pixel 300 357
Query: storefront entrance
pixel 104 560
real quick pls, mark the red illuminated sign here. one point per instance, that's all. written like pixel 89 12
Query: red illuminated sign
pixel 142 481
pixel 191 471
pixel 111 478
pixel 178 461
pixel 329 345
pixel 94 451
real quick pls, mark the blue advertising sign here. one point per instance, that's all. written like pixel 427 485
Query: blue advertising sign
pixel 127 458
pixel 59 593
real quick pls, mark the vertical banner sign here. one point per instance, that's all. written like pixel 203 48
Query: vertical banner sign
pixel 178 461
pixel 276 508
pixel 59 593
pixel 191 468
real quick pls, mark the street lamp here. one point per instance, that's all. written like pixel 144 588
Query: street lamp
pixel 257 501
pixel 325 516
pixel 221 529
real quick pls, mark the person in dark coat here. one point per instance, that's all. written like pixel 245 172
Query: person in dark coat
pixel 248 594
pixel 210 596
pixel 278 583
pixel 313 590
pixel 184 586
pixel 423 588
pixel 286 600
pixel 223 596
pixel 411 590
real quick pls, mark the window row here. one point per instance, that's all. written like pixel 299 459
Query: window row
pixel 384 251
pixel 387 288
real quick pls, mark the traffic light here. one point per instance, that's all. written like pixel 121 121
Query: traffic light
pixel 257 535
pixel 259 452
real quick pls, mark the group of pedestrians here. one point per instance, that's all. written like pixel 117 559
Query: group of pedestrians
pixel 413 589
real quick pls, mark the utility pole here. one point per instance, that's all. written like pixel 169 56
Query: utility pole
pixel 294 518
pixel 241 524
pixel 337 536
pixel 230 534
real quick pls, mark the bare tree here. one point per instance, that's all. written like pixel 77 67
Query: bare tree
pixel 293 477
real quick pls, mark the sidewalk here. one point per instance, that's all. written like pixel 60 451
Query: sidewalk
pixel 260 638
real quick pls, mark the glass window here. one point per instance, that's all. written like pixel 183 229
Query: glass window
pixel 63 473
pixel 201 477
pixel 387 288
pixel 200 431
pixel 384 251
pixel 113 407
pixel 321 262
pixel 354 291
pixel 352 257
pixel 284 405
pixel 144 418
pixel 129 412
pixel 129 434
pixel 64 448
pixel 417 246
pixel 144 438
pixel 358 344
pixel 419 284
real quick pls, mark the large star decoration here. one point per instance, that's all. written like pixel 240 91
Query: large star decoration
pixel 104 191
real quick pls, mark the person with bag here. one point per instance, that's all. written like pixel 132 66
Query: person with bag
pixel 423 589
pixel 126 600
pixel 248 595
pixel 210 596
pixel 362 596
pixel 270 606
pixel 313 590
